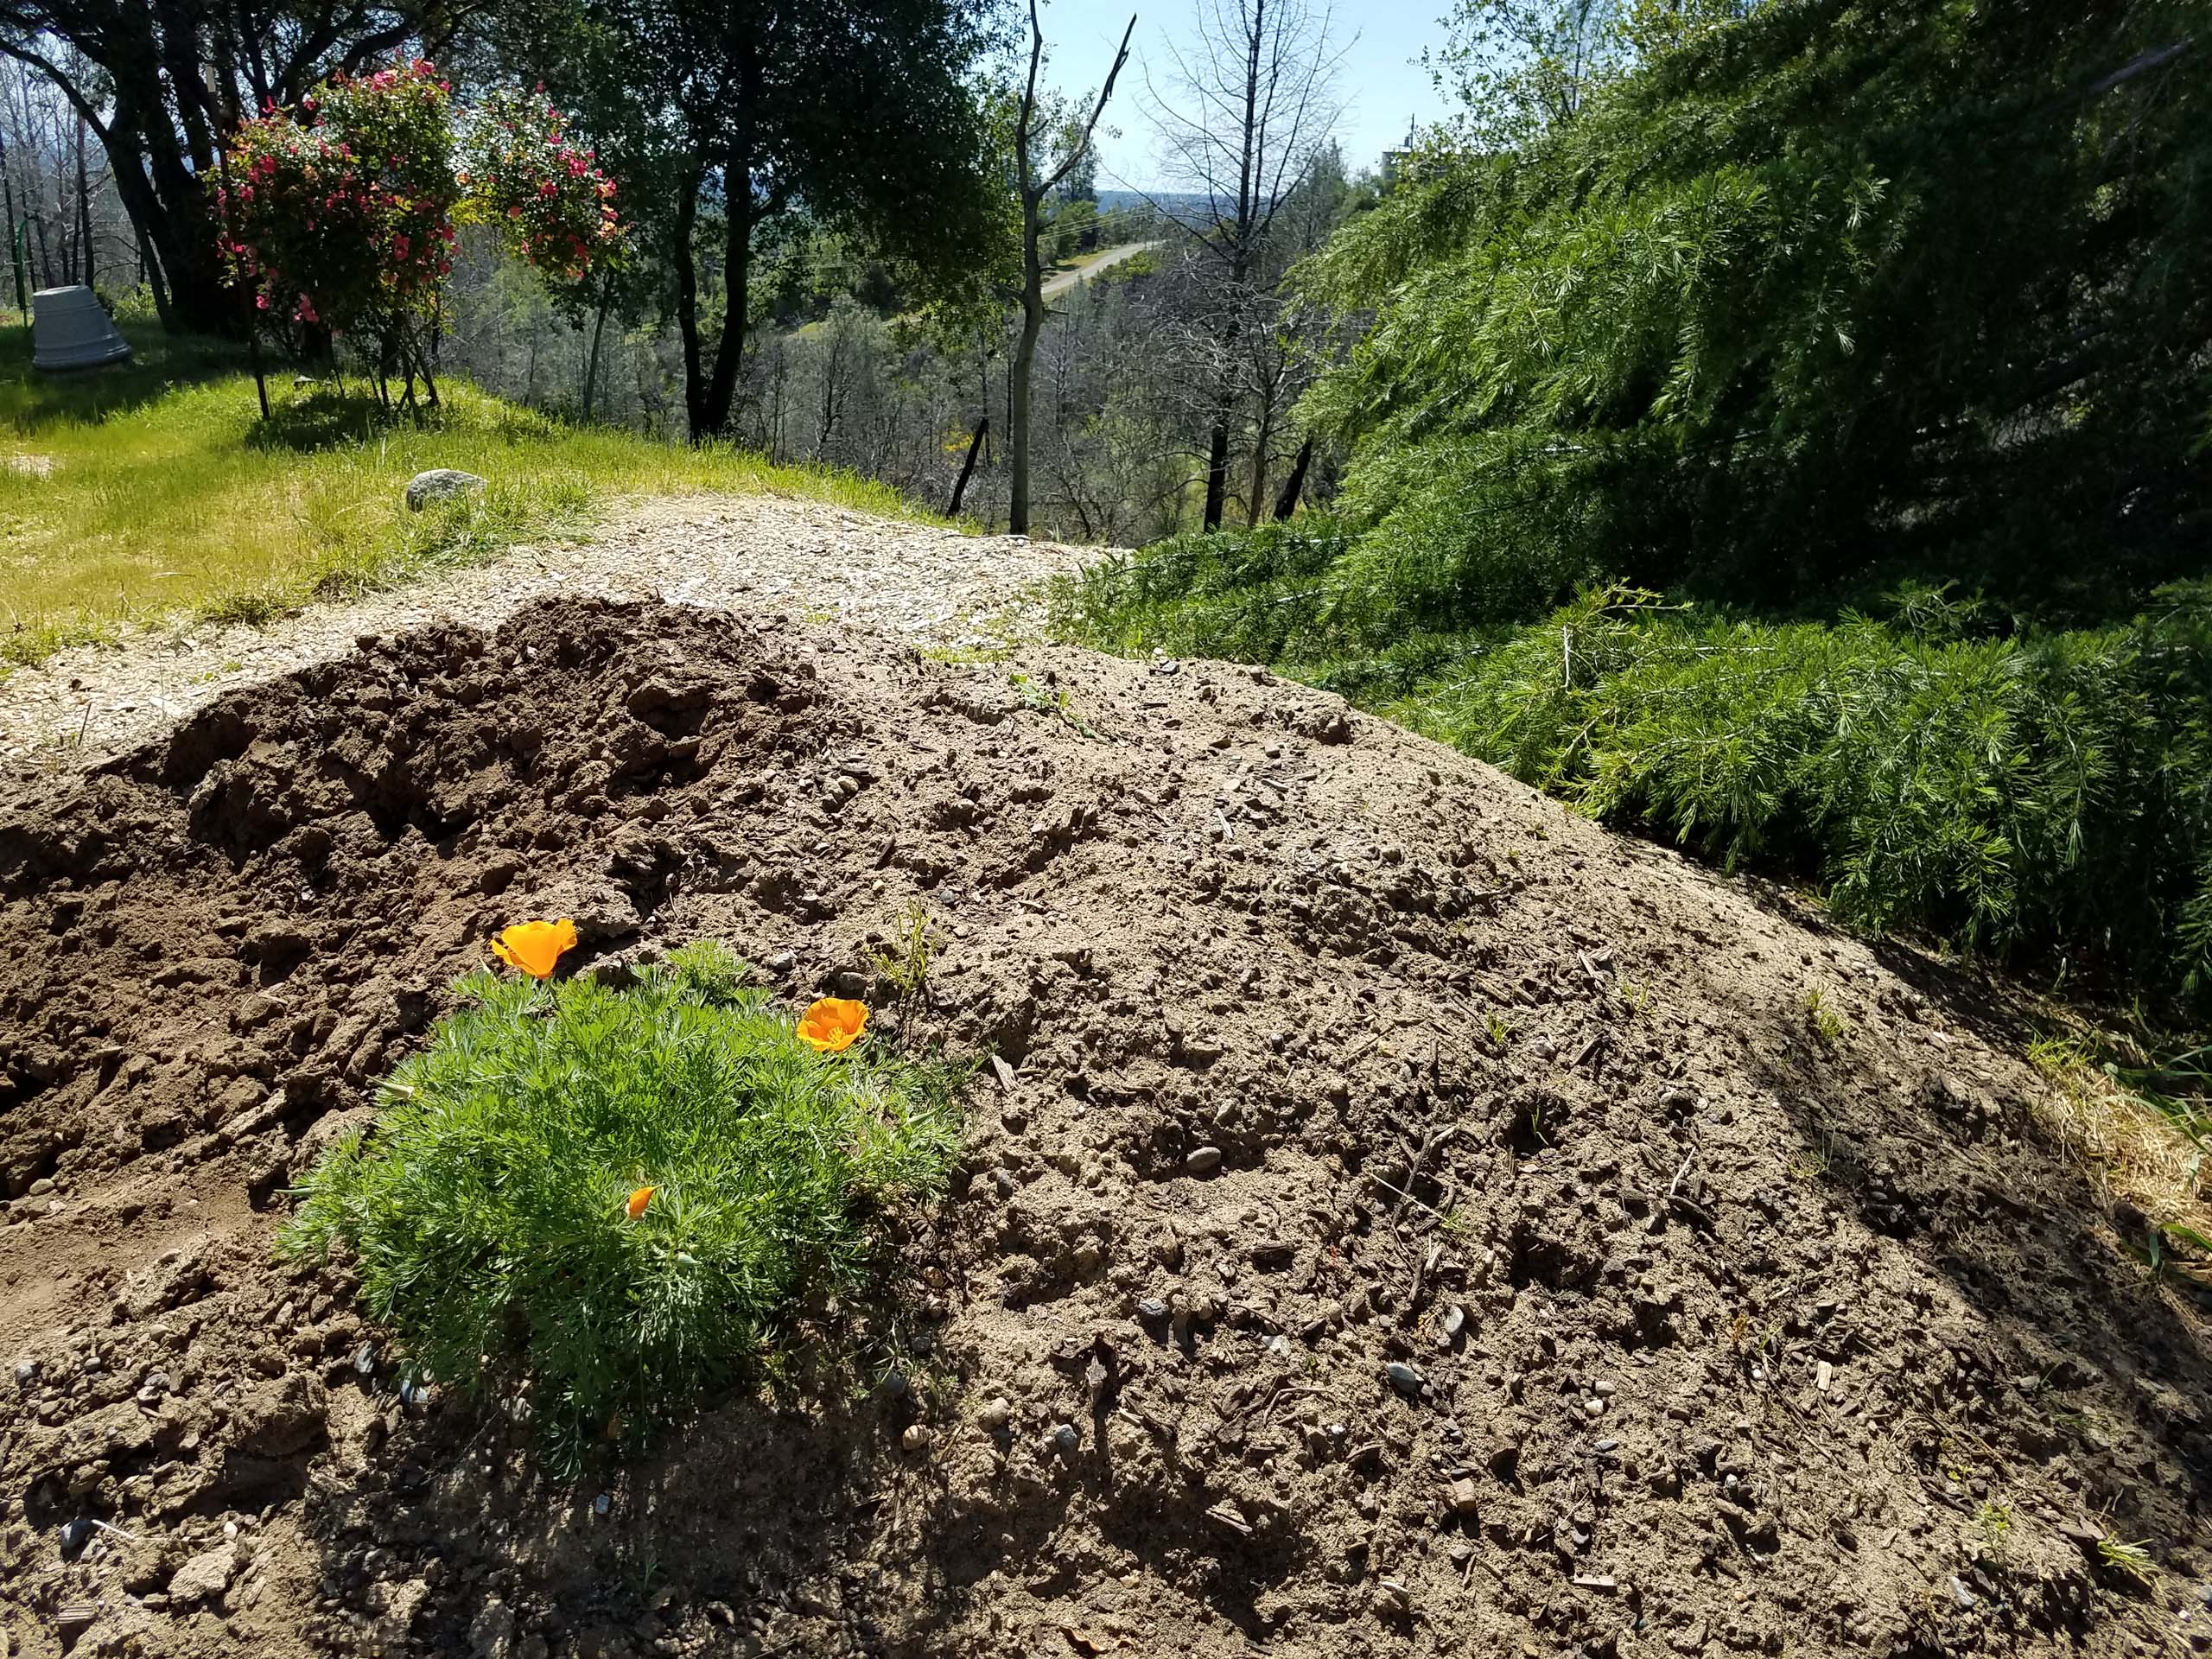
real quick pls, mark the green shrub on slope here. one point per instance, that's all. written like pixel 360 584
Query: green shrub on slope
pixel 2050 790
pixel 487 1214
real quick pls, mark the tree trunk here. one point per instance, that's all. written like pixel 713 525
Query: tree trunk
pixel 1225 406
pixel 712 420
pixel 1260 438
pixel 1287 503
pixel 1025 358
pixel 968 467
pixel 598 330
pixel 85 211
pixel 14 259
pixel 1217 468
pixel 687 299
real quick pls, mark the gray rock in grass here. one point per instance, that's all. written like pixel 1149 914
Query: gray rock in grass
pixel 441 484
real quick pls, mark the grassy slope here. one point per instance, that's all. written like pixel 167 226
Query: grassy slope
pixel 154 490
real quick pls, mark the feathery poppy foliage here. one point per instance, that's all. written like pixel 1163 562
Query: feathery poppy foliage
pixel 626 1197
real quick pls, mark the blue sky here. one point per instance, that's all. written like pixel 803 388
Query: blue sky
pixel 1381 83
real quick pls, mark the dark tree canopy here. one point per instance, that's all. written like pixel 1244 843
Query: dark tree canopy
pixel 162 82
pixel 723 123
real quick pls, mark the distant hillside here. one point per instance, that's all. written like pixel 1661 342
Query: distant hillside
pixel 1191 207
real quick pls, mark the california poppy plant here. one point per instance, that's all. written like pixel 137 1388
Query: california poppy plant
pixel 833 1023
pixel 638 1201
pixel 535 948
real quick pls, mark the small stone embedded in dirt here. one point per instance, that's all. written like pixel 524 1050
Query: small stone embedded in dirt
pixel 1152 1309
pixel 1202 1159
pixel 915 1439
pixel 73 1618
pixel 441 484
pixel 994 1413
pixel 1064 1441
pixel 75 1535
pixel 204 1576
pixel 491 1632
pixel 1405 1379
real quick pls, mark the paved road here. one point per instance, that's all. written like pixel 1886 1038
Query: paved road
pixel 1056 286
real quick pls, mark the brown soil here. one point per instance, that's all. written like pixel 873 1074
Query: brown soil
pixel 1322 1050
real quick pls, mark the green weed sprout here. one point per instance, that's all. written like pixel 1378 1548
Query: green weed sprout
pixel 487 1212
pixel 2133 1560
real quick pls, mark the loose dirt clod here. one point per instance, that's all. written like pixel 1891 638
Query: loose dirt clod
pixel 1384 1174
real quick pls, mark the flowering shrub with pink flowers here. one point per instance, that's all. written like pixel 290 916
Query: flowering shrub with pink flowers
pixel 543 190
pixel 341 211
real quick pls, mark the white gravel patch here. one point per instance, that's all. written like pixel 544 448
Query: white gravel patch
pixel 799 559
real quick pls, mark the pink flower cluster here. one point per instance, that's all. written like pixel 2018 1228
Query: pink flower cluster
pixel 547 192
pixel 342 211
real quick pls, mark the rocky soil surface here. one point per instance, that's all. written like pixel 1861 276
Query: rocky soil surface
pixel 934 587
pixel 1396 1217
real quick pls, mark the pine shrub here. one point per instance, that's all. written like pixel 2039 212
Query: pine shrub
pixel 487 1212
pixel 2041 794
pixel 2045 794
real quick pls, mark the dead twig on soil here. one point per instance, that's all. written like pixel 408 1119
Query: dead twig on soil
pixel 1430 1144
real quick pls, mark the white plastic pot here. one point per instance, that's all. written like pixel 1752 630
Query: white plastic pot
pixel 71 330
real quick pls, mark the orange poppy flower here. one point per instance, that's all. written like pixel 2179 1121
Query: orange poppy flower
pixel 833 1023
pixel 639 1200
pixel 534 947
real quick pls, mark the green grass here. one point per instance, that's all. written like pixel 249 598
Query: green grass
pixel 486 1213
pixel 155 492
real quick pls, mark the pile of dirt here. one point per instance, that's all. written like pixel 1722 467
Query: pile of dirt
pixel 1395 1216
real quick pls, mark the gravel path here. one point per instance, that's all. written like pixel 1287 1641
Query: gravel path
pixel 763 553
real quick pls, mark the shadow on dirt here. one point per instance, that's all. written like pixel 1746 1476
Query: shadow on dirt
pixel 2084 1366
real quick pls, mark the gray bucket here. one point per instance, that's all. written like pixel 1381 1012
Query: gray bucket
pixel 70 329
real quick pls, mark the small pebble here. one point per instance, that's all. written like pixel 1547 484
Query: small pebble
pixel 1064 1439
pixel 995 1415
pixel 1202 1159
pixel 916 1437
pixel 601 1504
pixel 1152 1308
pixel 1405 1379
